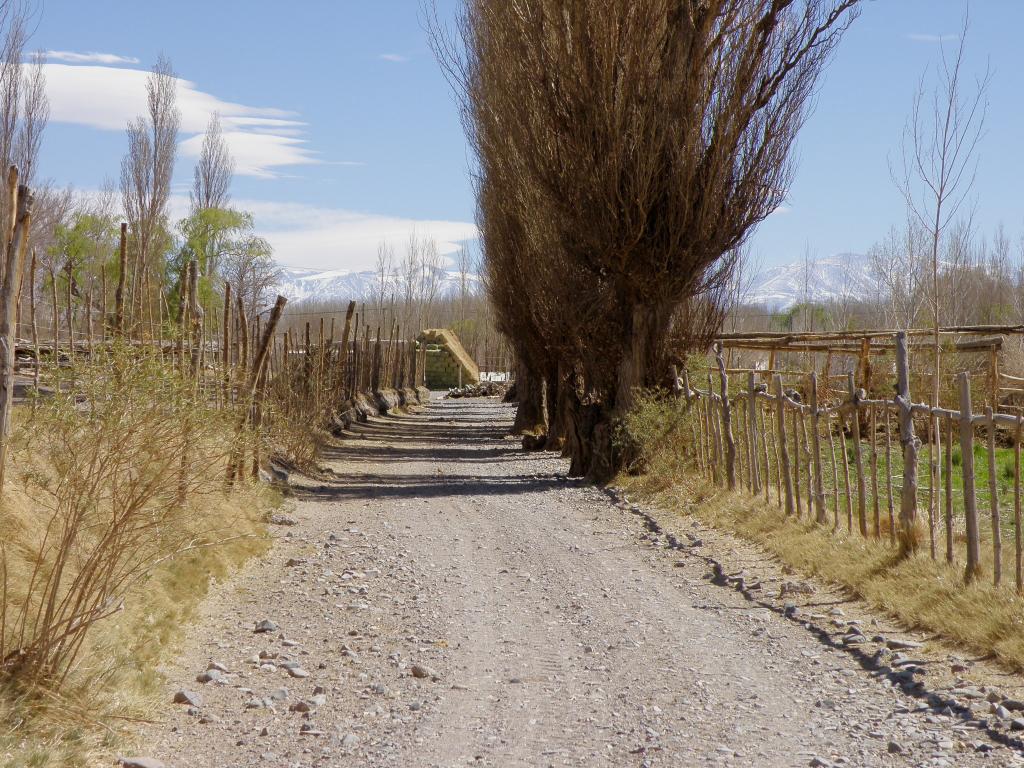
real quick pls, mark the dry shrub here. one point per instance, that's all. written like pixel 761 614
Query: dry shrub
pixel 655 435
pixel 114 494
pixel 297 407
pixel 295 441
pixel 112 535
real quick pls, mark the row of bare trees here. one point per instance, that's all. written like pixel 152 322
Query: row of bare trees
pixel 625 149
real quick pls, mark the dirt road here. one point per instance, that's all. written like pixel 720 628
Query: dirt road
pixel 452 601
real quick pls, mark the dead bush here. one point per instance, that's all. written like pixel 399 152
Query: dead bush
pixel 114 496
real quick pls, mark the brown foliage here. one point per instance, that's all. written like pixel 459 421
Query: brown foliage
pixel 624 146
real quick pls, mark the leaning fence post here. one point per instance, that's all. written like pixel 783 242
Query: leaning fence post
pixel 858 457
pixel 973 568
pixel 248 395
pixel 780 404
pixel 730 443
pixel 819 491
pixel 908 440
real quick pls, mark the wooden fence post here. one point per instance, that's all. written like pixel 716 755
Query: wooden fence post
pixel 412 363
pixel 973 568
pixel 767 480
pixel 1018 542
pixel 183 283
pixel 755 469
pixel 993 491
pixel 196 316
pixel 21 210
pixel 888 477
pixel 698 437
pixel 225 341
pixel 730 443
pixel 950 555
pixel 909 531
pixel 121 277
pixel 835 473
pixel 780 404
pixel 375 373
pixel 876 527
pixel 248 395
pixel 797 492
pixel 35 324
pixel 716 425
pixel 713 435
pixel 343 354
pixel 858 458
pixel 819 490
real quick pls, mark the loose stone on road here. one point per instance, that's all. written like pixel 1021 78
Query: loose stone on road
pixel 449 600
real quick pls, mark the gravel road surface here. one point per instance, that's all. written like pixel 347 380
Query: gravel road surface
pixel 449 600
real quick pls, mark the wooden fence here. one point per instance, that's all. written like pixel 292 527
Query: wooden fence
pixel 306 373
pixel 766 439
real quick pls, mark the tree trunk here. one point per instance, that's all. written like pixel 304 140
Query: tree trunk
pixel 641 365
pixel 530 390
pixel 553 395
pixel 641 353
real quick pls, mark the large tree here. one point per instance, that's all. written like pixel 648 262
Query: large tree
pixel 211 178
pixel 146 181
pixel 636 143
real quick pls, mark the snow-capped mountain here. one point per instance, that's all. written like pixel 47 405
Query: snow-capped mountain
pixel 845 275
pixel 343 285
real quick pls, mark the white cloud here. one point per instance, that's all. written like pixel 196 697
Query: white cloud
pixel 394 58
pixel 262 139
pixel 323 238
pixel 258 154
pixel 90 57
pixel 334 238
pixel 782 209
pixel 920 37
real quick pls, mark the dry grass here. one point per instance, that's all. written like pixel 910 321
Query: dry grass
pixel 111 539
pixel 916 591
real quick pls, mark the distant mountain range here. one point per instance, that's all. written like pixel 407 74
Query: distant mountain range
pixel 342 285
pixel 777 288
pixel 845 275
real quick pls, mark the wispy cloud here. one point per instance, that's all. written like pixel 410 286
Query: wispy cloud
pixel 334 238
pixel 395 58
pixel 923 37
pixel 262 139
pixel 782 209
pixel 90 57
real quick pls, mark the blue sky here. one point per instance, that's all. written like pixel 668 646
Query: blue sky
pixel 348 133
pixel 843 198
